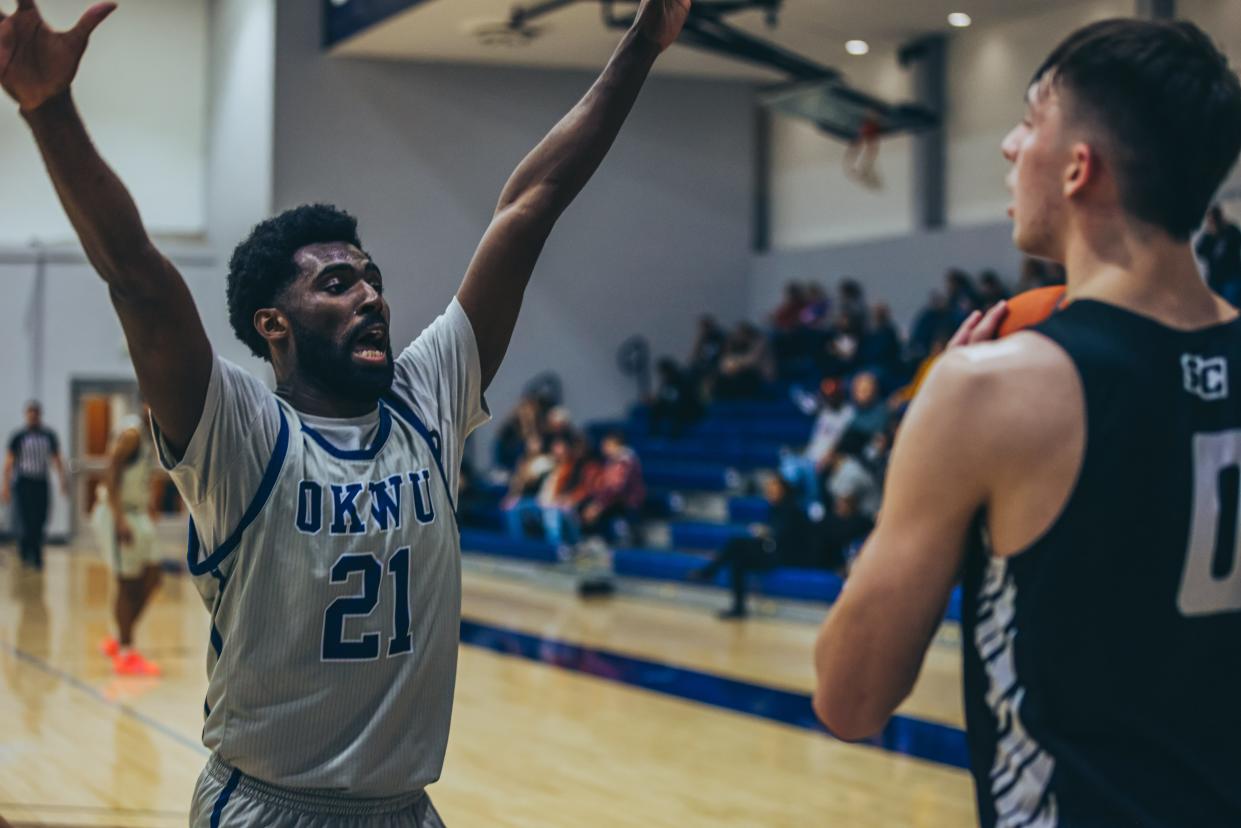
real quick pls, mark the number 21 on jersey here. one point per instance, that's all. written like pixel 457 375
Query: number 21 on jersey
pixel 1211 582
pixel 367 648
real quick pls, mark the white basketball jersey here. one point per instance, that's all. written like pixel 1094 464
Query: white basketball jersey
pixel 329 556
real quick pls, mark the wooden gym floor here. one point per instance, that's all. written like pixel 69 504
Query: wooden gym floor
pixel 621 712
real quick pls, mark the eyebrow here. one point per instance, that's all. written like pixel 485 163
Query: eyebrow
pixel 337 266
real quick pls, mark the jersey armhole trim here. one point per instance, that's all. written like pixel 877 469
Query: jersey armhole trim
pixel 268 483
pixel 407 414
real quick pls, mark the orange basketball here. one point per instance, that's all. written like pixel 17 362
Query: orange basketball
pixel 1030 308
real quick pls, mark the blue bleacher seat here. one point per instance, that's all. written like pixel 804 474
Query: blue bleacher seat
pixel 657 564
pixel 748 510
pixel 711 536
pixel 688 476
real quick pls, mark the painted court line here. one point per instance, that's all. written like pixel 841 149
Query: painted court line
pixel 917 738
pixel 78 684
pixel 929 741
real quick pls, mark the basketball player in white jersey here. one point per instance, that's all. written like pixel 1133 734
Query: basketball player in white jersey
pixel 125 528
pixel 323 539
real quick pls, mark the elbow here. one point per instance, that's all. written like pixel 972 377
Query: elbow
pixel 538 205
pixel 847 720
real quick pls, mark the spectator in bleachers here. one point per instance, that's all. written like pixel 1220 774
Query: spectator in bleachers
pixel 617 492
pixel 746 367
pixel 1219 248
pixel 709 344
pixel 817 313
pixel 521 504
pixel 881 348
pixel 962 295
pixel 870 412
pixel 522 426
pixel 853 303
pixel 788 539
pixel 787 316
pixel 566 488
pixel 677 404
pixel 805 471
pixel 841 354
pixel 557 424
pixel 932 322
pixel 855 494
pixel 991 289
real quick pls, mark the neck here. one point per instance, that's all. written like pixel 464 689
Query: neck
pixel 1144 271
pixel 310 397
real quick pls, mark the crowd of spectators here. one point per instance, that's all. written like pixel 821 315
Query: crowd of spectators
pixel 840 357
pixel 560 486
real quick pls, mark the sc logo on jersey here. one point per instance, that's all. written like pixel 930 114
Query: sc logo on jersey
pixel 1205 377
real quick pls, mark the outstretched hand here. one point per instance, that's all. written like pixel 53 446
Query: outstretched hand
pixel 37 63
pixel 661 20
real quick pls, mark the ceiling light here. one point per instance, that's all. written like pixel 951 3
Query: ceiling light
pixel 857 47
pixel 959 20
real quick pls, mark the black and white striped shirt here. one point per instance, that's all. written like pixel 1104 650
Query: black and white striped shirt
pixel 32 450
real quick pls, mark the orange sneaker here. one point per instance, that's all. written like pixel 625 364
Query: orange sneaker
pixel 110 647
pixel 133 664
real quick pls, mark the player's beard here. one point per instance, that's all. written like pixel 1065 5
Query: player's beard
pixel 331 365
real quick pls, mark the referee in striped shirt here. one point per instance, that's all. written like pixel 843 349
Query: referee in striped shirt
pixel 31 451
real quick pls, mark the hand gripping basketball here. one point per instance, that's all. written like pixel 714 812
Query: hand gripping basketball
pixel 661 20
pixel 37 63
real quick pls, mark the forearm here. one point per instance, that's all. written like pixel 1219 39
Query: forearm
pixel 556 170
pixel 101 210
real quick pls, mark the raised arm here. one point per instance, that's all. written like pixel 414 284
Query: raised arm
pixel 551 176
pixel 167 343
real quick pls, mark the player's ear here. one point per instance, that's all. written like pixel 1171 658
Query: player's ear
pixel 1082 169
pixel 271 324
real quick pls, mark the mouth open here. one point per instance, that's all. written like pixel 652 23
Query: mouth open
pixel 371 346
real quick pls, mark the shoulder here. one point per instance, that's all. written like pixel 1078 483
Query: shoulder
pixel 1002 399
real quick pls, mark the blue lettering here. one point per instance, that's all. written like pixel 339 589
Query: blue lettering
pixel 309 507
pixel 424 507
pixel 345 505
pixel 386 506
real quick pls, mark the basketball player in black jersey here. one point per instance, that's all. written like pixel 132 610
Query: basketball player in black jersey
pixel 1096 459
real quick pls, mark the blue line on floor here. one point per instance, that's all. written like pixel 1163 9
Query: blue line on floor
pixel 920 739
pixel 931 741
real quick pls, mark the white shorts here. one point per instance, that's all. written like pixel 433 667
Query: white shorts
pixel 128 560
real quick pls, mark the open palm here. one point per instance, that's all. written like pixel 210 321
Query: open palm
pixel 662 20
pixel 37 63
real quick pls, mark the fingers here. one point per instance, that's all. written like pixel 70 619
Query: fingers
pixel 990 324
pixel 962 336
pixel 91 19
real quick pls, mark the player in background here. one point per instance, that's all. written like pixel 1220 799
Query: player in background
pixel 124 522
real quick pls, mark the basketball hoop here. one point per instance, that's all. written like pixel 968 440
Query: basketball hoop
pixel 863 152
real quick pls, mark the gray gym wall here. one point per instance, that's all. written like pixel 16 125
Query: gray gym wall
pixel 419 152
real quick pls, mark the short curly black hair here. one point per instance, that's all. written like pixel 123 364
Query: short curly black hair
pixel 262 265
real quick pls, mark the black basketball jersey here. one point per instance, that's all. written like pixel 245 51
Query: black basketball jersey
pixel 1103 663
